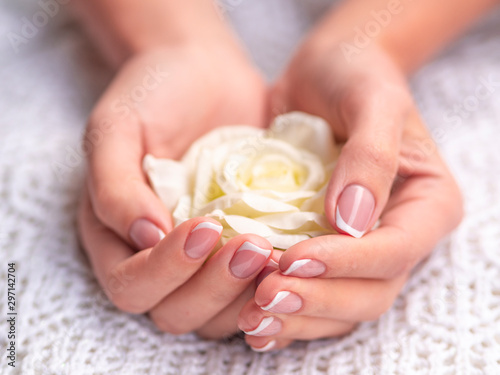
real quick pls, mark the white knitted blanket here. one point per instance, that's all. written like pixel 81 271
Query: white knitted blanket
pixel 446 320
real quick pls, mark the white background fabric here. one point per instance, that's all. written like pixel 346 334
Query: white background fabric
pixel 446 320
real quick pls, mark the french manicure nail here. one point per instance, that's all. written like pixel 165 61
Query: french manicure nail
pixel 269 269
pixel 271 344
pixel 202 239
pixel 247 260
pixel 305 268
pixel 145 234
pixel 267 327
pixel 354 210
pixel 284 302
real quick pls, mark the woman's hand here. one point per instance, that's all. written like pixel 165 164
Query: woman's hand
pixel 389 168
pixel 160 102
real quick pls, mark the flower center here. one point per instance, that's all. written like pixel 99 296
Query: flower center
pixel 276 172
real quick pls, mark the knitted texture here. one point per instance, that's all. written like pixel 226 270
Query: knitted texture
pixel 445 321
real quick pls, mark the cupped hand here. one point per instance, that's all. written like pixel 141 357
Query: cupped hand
pixel 389 171
pixel 159 102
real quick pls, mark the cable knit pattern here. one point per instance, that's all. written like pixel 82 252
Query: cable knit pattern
pixel 446 320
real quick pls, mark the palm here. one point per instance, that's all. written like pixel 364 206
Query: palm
pixel 186 93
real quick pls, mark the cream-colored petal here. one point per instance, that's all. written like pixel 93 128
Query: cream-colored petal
pixel 285 241
pixel 182 211
pixel 168 178
pixel 307 132
pixel 243 225
pixel 295 221
pixel 263 204
pixel 213 139
pixel 204 189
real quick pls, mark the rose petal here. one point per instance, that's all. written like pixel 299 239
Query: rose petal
pixel 244 225
pixel 238 167
pixel 215 138
pixel 204 188
pixel 285 241
pixel 246 204
pixel 296 221
pixel 307 132
pixel 168 178
pixel 263 204
pixel 182 211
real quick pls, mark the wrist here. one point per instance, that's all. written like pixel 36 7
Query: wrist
pixel 410 32
pixel 124 28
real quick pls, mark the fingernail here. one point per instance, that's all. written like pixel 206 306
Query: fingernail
pixel 267 327
pixel 305 268
pixel 269 269
pixel 247 260
pixel 145 234
pixel 202 239
pixel 271 344
pixel 354 210
pixel 284 302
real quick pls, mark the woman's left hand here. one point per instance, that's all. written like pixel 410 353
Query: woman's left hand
pixel 389 169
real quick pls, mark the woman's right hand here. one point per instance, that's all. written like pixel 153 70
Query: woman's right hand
pixel 159 103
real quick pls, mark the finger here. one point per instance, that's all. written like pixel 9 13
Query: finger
pixel 267 344
pixel 424 208
pixel 363 176
pixel 255 322
pixel 340 299
pixel 125 275
pixel 224 324
pixel 119 191
pixel 221 280
pixel 271 266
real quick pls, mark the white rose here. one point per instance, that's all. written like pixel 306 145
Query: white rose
pixel 268 182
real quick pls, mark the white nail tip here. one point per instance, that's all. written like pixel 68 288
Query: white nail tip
pixel 273 263
pixel 208 225
pixel 266 322
pixel 296 265
pixel 250 246
pixel 277 299
pixel 345 227
pixel 162 235
pixel 271 344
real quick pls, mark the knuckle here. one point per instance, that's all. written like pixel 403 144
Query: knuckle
pixel 381 156
pixel 168 324
pixel 218 295
pixel 122 302
pixel 208 334
pixel 117 289
pixel 354 98
pixel 165 325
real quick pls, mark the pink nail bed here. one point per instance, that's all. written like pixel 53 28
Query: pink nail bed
pixel 202 239
pixel 267 327
pixel 284 302
pixel 247 260
pixel 354 210
pixel 305 268
pixel 145 234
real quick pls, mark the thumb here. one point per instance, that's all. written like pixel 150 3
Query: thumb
pixel 361 182
pixel 120 195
